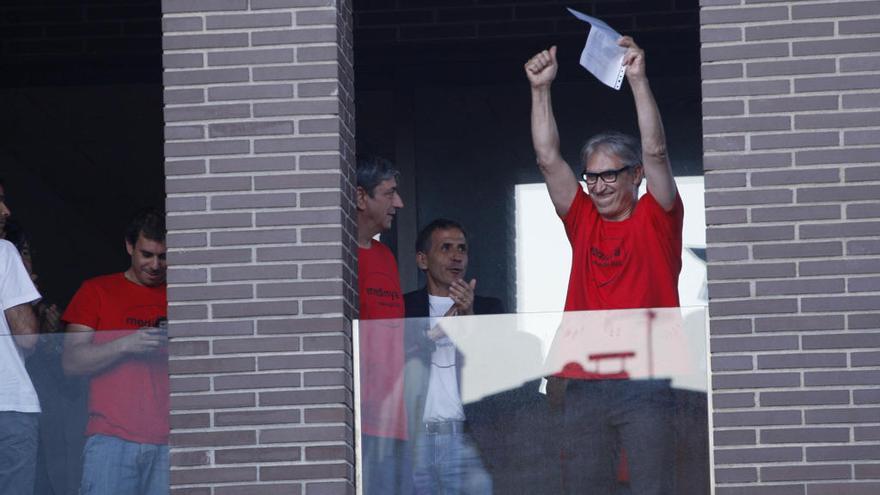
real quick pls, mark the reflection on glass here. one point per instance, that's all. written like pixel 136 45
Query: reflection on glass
pixel 68 415
pixel 551 401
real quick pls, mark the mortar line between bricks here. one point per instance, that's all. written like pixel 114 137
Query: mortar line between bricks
pixel 264 354
pixel 273 173
pixel 251 209
pixel 249 84
pixel 239 120
pixel 310 63
pixel 212 32
pixel 263 119
pixel 220 229
pixel 301 462
pixel 291 299
pixel 323 333
pixel 232 67
pixel 818 407
pixel 292 82
pixel 805 462
pixel 261 390
pixel 295 9
pixel 787 22
pixel 200 14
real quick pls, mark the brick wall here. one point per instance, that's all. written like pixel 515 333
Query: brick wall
pixel 791 106
pixel 66 42
pixel 402 20
pixel 259 166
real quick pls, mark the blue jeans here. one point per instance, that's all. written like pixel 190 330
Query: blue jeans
pixel 387 469
pixel 18 452
pixel 600 417
pixel 113 466
pixel 449 464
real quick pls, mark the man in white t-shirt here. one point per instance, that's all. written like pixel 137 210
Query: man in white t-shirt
pixel 446 460
pixel 19 406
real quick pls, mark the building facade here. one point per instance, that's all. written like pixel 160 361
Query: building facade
pixel 259 153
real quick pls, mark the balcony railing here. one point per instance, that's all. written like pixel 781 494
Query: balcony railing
pixel 577 402
pixel 513 403
pixel 106 428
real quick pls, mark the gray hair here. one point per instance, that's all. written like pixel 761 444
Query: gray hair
pixel 373 170
pixel 621 145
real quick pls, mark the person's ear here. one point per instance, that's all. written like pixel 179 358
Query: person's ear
pixel 129 247
pixel 422 260
pixel 639 173
pixel 361 198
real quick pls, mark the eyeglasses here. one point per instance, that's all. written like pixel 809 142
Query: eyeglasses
pixel 608 176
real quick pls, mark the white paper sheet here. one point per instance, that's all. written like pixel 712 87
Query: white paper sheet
pixel 602 56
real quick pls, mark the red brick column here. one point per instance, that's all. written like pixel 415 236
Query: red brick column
pixel 259 166
pixel 791 106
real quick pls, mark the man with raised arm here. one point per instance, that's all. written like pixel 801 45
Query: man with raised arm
pixel 114 336
pixel 626 253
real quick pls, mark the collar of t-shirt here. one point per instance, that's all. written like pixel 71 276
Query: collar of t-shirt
pixel 437 307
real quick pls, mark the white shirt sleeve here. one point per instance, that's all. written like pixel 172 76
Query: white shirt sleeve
pixel 16 286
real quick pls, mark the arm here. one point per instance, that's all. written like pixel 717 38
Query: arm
pixel 82 357
pixel 561 181
pixel 655 160
pixel 23 324
pixel 17 292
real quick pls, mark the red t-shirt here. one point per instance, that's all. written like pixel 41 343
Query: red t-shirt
pixel 629 264
pixel 381 343
pixel 129 399
pixel 633 263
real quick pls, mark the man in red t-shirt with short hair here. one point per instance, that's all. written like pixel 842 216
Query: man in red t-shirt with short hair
pixel 626 253
pixel 115 333
pixel 386 470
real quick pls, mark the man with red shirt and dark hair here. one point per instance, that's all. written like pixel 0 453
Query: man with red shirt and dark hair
pixel 383 417
pixel 626 253
pixel 113 335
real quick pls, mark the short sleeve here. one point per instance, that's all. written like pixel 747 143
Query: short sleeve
pixel 668 224
pixel 16 286
pixel 577 214
pixel 84 308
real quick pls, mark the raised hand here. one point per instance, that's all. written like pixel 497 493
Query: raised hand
pixel 462 293
pixel 541 69
pixel 633 59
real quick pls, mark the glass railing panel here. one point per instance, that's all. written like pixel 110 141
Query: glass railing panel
pixel 85 426
pixel 579 402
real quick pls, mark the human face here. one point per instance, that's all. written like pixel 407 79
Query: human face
pixel 615 201
pixel 4 212
pixel 148 264
pixel 376 211
pixel 446 261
